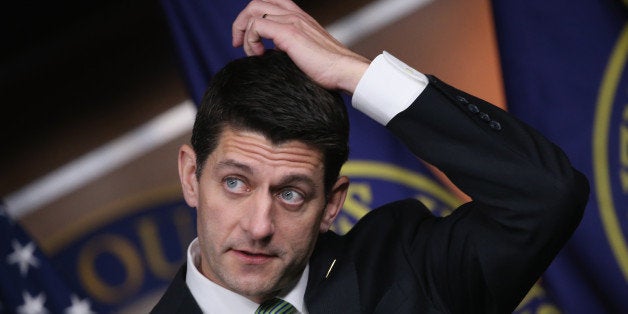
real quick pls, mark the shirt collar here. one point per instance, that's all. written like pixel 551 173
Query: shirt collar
pixel 213 298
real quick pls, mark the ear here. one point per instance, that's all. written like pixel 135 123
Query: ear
pixel 334 204
pixel 187 175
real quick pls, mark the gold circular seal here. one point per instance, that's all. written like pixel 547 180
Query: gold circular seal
pixel 372 183
pixel 601 167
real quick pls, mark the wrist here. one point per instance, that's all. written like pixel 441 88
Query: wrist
pixel 352 72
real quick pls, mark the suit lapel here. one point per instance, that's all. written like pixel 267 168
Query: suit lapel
pixel 333 281
pixel 178 298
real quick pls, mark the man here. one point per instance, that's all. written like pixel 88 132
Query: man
pixel 267 146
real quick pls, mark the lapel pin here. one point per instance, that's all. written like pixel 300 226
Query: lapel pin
pixel 330 268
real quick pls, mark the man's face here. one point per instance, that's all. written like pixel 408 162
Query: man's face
pixel 260 209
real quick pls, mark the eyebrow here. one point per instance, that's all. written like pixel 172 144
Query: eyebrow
pixel 288 180
pixel 230 163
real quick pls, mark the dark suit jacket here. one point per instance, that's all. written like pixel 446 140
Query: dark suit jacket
pixel 483 258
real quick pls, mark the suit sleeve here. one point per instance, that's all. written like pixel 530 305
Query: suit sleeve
pixel 527 200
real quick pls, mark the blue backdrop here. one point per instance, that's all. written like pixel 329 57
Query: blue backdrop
pixel 565 73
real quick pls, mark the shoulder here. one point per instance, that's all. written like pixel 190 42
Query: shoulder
pixel 390 223
pixel 393 217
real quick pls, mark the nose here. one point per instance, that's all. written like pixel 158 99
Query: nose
pixel 258 221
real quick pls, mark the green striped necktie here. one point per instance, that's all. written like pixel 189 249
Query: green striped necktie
pixel 276 306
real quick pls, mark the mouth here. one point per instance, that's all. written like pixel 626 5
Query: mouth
pixel 253 258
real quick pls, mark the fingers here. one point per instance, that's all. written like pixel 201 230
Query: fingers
pixel 325 60
pixel 256 9
pixel 252 40
pixel 284 30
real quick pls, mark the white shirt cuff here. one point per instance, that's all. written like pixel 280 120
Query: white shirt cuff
pixel 387 88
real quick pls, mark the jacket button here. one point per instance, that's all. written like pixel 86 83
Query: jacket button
pixel 485 117
pixel 462 99
pixel 473 108
pixel 495 125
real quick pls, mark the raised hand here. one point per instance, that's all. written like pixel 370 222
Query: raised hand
pixel 309 45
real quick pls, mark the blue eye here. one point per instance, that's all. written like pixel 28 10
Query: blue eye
pixel 291 197
pixel 233 184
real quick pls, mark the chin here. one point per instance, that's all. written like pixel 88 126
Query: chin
pixel 257 290
pixel 260 283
